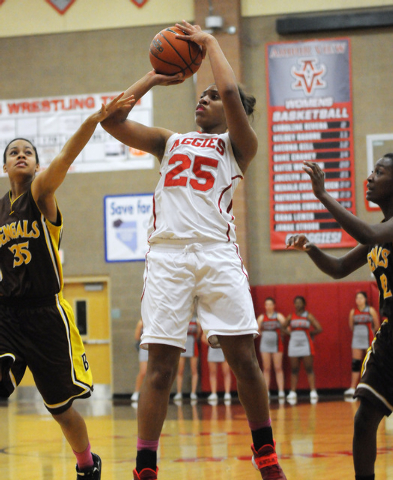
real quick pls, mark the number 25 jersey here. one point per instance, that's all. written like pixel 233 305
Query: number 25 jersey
pixel 193 199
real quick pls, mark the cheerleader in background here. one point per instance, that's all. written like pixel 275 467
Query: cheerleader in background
pixel 364 322
pixel 271 347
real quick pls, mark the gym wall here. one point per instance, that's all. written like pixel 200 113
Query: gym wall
pixel 104 60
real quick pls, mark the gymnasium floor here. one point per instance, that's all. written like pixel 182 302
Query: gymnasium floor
pixel 199 441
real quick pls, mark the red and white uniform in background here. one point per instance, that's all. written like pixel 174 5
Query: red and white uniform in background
pixel 300 342
pixel 362 334
pixel 271 341
pixel 193 256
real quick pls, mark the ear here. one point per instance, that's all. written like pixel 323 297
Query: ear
pixel 37 167
pixel 4 168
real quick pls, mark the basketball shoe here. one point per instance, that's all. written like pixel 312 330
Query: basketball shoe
pixel 92 473
pixel 265 460
pixel 145 474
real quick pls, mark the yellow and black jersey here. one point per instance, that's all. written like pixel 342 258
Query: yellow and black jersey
pixel 380 261
pixel 29 250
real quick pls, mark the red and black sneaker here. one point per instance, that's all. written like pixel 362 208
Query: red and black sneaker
pixel 265 460
pixel 146 474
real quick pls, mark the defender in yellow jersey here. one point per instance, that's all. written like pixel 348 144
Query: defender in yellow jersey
pixel 37 326
pixel 375 389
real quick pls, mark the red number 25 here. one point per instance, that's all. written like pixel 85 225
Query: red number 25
pixel 174 178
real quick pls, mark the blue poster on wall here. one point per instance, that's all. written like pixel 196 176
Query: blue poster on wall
pixel 126 219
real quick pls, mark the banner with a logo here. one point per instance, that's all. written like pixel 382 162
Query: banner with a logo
pixel 126 219
pixel 310 119
pixel 61 5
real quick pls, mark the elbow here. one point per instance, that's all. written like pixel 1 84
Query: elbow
pixel 368 237
pixel 341 270
pixel 107 124
pixel 337 275
pixel 111 122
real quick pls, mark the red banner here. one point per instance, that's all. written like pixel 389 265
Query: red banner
pixel 310 119
pixel 61 5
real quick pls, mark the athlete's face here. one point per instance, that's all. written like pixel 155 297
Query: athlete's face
pixel 380 182
pixel 209 113
pixel 299 305
pixel 269 306
pixel 360 300
pixel 20 158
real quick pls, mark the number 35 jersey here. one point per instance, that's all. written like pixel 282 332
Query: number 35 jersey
pixel 193 199
pixel 29 259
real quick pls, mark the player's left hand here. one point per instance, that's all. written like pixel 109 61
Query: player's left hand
pixel 299 242
pixel 117 103
pixel 193 33
pixel 317 177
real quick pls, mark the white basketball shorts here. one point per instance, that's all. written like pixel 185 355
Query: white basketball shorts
pixel 211 275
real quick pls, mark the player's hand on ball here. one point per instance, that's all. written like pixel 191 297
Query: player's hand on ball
pixel 193 33
pixel 317 177
pixel 166 80
pixel 299 242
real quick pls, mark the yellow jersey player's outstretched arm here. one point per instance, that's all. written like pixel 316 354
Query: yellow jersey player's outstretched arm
pixel 44 186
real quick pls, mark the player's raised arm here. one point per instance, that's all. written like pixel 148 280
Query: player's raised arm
pixel 44 186
pixel 336 267
pixel 243 138
pixel 134 134
pixel 358 229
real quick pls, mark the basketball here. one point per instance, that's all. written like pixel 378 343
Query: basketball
pixel 169 55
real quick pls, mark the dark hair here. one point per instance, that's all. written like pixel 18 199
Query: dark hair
pixel 364 295
pixel 26 140
pixel 300 298
pixel 271 299
pixel 248 101
pixel 389 156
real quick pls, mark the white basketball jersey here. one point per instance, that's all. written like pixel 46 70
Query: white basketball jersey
pixel 193 199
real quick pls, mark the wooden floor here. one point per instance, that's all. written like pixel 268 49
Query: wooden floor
pixel 199 442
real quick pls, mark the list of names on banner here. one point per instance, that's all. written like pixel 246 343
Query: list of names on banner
pixel 310 119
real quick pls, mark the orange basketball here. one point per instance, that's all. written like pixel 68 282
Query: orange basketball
pixel 169 55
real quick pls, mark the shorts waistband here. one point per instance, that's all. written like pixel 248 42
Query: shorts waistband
pixel 23 302
pixel 190 247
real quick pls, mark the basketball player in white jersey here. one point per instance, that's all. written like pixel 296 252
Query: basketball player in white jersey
pixel 193 255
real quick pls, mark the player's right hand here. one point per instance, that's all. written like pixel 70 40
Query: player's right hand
pixel 299 242
pixel 166 80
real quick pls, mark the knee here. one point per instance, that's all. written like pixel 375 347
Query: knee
pixel 246 368
pixel 162 376
pixel 356 365
pixel 64 419
pixel 309 369
pixel 278 368
pixel 295 370
pixel 361 423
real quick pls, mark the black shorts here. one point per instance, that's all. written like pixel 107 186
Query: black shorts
pixel 46 339
pixel 376 382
